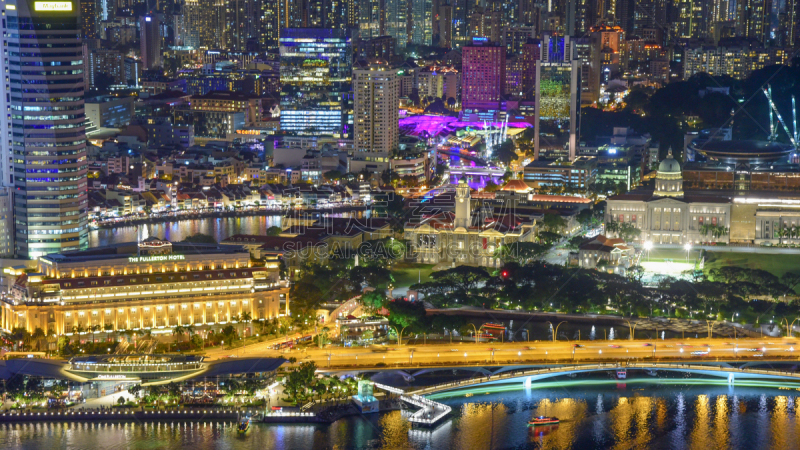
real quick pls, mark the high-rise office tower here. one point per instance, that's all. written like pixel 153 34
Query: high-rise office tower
pixel 396 12
pixel 316 66
pixel 371 19
pixel 422 17
pixel 211 25
pixel 376 90
pixel 625 15
pixel 788 25
pixel 271 15
pixel 46 132
pixel 486 23
pixel 187 28
pixel 150 41
pixel 558 96
pixel 753 19
pixel 483 66
pixel 243 24
pixel 650 14
pixel 89 20
pixel 444 22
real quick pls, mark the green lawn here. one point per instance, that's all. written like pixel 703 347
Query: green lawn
pixel 777 264
pixel 405 274
pixel 674 254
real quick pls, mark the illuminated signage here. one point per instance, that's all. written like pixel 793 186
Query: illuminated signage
pixel 52 6
pixel 155 258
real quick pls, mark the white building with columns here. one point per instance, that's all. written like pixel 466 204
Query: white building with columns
pixel 667 215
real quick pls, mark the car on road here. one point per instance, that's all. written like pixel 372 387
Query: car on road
pixel 529 348
pixel 453 349
pixel 647 344
pixel 614 346
pixel 699 353
pixel 577 345
pixel 758 354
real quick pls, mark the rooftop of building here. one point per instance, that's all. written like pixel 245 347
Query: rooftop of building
pixel 224 95
pixel 602 243
pixel 580 162
pixel 128 249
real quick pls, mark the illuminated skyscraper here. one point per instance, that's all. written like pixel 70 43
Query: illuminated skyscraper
pixel 45 134
pixel 89 19
pixel 211 22
pixel 558 96
pixel 150 41
pixel 316 66
pixel 753 19
pixel 371 19
pixel 396 12
pixel 483 67
pixel 422 15
pixel 243 24
pixel 376 91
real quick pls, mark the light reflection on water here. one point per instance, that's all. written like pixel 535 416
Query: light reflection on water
pixel 623 417
pixel 220 228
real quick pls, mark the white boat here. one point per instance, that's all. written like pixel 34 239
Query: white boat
pixel 622 374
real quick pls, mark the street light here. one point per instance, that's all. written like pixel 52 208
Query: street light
pixel 555 330
pixel 648 245
pixel 688 248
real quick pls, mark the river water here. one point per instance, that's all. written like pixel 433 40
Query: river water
pixel 220 228
pixel 596 413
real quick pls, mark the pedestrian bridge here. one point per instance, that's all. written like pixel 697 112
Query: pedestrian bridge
pixel 528 376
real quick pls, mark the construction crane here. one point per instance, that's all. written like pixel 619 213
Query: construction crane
pixel 772 109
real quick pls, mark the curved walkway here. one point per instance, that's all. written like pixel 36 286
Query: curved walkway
pixel 540 374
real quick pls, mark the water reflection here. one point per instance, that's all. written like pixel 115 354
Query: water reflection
pixel 220 228
pixel 655 416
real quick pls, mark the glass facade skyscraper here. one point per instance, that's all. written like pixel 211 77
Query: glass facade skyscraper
pixel 558 96
pixel 316 71
pixel 46 127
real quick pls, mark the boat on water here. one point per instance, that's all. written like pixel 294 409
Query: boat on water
pixel 543 421
pixel 244 425
pixel 622 374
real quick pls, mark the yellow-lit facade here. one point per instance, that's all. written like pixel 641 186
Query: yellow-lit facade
pixel 153 288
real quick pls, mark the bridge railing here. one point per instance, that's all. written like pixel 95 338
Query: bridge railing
pixel 589 367
pixel 515 374
pixel 437 410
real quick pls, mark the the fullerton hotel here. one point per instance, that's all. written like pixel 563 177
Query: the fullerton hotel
pixel 153 285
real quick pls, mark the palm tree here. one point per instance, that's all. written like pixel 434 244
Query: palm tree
pixel 108 328
pixel 245 318
pixel 37 336
pixel 27 338
pixel 95 329
pixel 782 233
pixel 321 337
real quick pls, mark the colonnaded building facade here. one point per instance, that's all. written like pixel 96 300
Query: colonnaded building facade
pixel 151 285
pixel 723 213
pixel 465 235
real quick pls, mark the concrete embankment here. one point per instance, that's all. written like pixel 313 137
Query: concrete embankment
pixel 120 415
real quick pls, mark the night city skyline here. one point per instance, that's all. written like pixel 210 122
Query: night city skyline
pixel 399 224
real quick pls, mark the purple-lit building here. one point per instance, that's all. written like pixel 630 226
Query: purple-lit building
pixel 483 75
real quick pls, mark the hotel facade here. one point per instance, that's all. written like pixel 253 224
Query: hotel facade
pixel 152 286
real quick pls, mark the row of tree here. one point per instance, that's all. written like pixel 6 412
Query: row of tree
pixel 536 285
